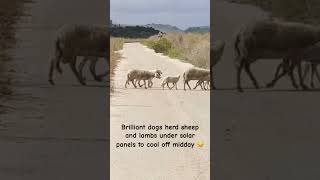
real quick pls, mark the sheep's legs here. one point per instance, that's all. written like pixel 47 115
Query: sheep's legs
pixel 277 76
pixel 314 71
pixel 168 86
pixel 58 65
pixel 74 70
pixel 312 76
pixel 134 84
pixel 239 69
pixel 107 71
pixel 145 84
pixel 304 87
pixel 306 71
pixel 287 68
pixel 52 65
pixel 127 82
pixel 247 68
pixel 197 84
pixel 139 83
pixel 291 75
pixel 93 63
pixel 201 83
pixel 317 73
pixel 204 85
pixel 142 84
pixel 184 85
pixel 150 83
pixel 81 66
pixel 188 85
pixel 93 70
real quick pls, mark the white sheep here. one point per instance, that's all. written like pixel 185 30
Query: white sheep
pixel 194 74
pixel 272 39
pixel 79 40
pixel 138 75
pixel 150 83
pixel 173 80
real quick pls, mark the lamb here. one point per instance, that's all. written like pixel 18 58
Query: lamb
pixel 173 80
pixel 79 40
pixel 272 39
pixel 311 56
pixel 194 74
pixel 140 75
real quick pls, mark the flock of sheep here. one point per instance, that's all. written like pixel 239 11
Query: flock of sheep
pixel 293 43
pixel 201 75
pixel 90 42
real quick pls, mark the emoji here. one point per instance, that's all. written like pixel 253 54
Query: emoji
pixel 200 144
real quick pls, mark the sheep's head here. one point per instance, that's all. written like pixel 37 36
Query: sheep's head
pixel 157 75
pixel 159 72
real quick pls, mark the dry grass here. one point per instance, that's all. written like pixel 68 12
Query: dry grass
pixel 190 47
pixel 10 13
pixel 116 44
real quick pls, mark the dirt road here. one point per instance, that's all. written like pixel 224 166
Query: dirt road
pixel 52 132
pixel 157 107
pixel 274 132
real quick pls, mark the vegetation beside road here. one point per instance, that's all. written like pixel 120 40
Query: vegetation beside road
pixel 116 44
pixel 10 13
pixel 193 48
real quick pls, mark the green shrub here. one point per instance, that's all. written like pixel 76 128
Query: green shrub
pixel 149 43
pixel 193 48
pixel 175 53
pixel 116 44
pixel 162 46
